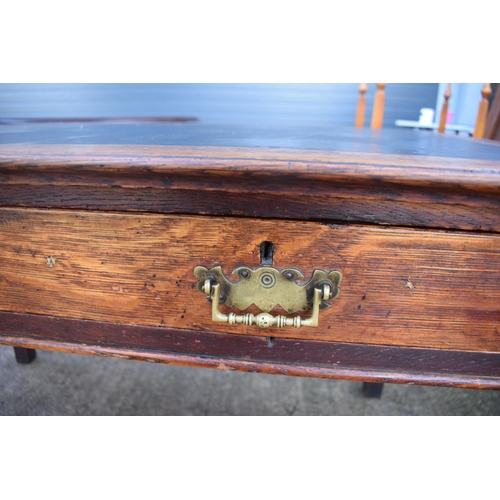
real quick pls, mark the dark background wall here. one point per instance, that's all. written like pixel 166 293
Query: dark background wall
pixel 270 104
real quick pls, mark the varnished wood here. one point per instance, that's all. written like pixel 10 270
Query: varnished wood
pixel 360 111
pixel 374 188
pixel 482 113
pixel 113 276
pixel 406 287
pixel 306 358
pixel 444 109
pixel 378 107
pixel 116 159
pixel 241 202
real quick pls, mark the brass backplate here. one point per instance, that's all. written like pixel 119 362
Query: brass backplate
pixel 268 287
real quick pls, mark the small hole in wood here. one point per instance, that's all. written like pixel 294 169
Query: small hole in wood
pixel 270 341
pixel 266 253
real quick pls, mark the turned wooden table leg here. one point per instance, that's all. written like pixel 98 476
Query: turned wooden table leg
pixel 24 355
pixel 372 389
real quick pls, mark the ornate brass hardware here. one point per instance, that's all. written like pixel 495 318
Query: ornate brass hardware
pixel 267 287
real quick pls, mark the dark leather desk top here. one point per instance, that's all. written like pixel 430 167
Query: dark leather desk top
pixel 344 139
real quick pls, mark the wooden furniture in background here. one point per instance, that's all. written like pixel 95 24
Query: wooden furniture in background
pixel 360 112
pixel 378 107
pixel 444 109
pixel 486 125
pixel 492 130
pixel 482 113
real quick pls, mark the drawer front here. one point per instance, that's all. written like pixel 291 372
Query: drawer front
pixel 399 287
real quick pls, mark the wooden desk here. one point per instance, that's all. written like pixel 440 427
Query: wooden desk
pixel 102 226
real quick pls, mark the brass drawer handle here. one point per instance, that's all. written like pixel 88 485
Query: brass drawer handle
pixel 267 287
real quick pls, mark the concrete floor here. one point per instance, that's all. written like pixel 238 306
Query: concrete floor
pixel 71 384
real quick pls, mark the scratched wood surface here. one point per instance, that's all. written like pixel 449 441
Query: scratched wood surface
pixel 406 287
pixel 386 189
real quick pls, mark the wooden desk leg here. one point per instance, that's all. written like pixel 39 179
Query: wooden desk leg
pixel 372 390
pixel 24 356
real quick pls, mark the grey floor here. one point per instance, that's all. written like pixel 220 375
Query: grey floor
pixel 71 384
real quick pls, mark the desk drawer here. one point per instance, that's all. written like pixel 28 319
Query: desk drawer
pixel 400 287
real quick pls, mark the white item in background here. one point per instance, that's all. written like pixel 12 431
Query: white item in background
pixel 426 116
pixel 433 126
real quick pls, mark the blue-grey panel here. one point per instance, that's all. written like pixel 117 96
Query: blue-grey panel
pixel 245 104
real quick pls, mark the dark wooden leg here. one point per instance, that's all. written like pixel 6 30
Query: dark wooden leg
pixel 24 355
pixel 372 390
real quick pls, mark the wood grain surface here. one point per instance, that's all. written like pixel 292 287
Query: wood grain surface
pixel 307 358
pixel 405 287
pixel 403 190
